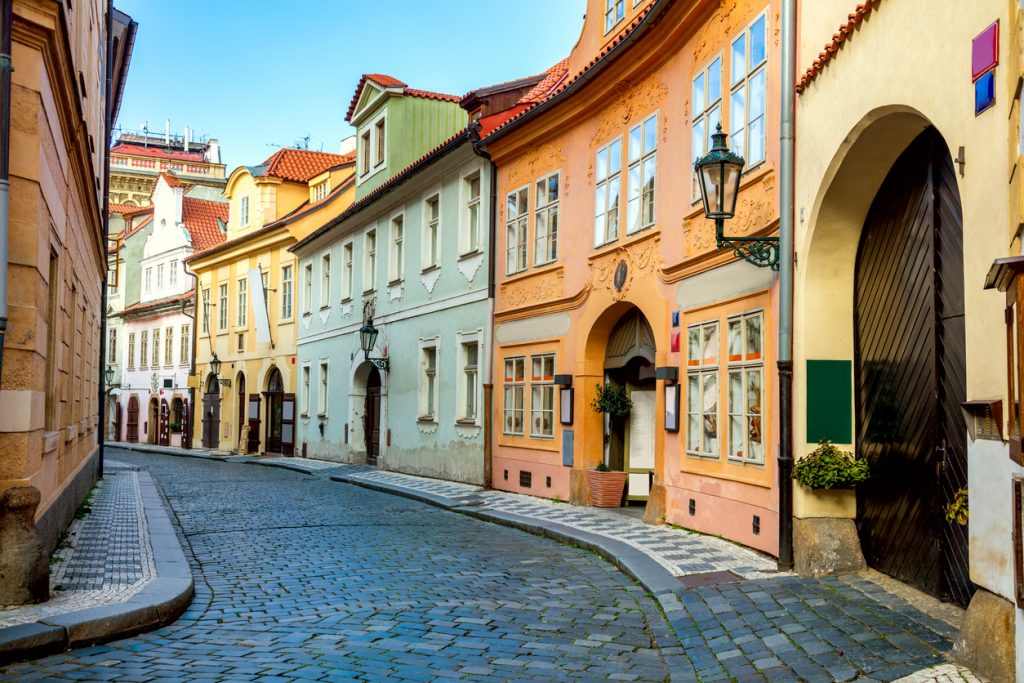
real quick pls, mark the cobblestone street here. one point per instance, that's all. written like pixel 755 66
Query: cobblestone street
pixel 302 578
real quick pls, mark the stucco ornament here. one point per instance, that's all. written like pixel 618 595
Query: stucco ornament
pixel 616 270
pixel 535 289
pixel 755 209
pixel 631 102
pixel 429 279
pixel 395 291
pixel 469 265
pixel 532 165
pixel 727 20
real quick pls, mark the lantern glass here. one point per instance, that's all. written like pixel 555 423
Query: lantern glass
pixel 719 173
pixel 367 337
pixel 109 375
pixel 730 188
pixel 215 365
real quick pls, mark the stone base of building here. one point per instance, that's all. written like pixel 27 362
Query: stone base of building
pixel 579 488
pixel 56 520
pixel 986 644
pixel 654 513
pixel 24 569
pixel 826 545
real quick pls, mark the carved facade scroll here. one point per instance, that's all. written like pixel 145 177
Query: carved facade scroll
pixel 534 289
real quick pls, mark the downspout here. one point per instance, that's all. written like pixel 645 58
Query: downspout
pixel 786 208
pixel 478 148
pixel 5 153
pixel 107 132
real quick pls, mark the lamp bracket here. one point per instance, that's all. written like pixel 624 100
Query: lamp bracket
pixel 224 382
pixel 380 363
pixel 762 251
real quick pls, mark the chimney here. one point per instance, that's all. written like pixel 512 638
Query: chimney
pixel 186 139
pixel 212 151
pixel 347 145
pixel 167 133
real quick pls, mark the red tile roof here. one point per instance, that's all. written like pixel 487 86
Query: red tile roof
pixel 200 217
pixel 144 306
pixel 840 37
pixel 171 180
pixel 552 78
pixel 386 81
pixel 121 208
pixel 299 165
pixel 140 151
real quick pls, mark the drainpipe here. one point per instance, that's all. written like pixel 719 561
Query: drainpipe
pixel 478 148
pixel 5 152
pixel 785 351
pixel 108 126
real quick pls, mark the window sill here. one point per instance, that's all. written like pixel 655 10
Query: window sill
pixel 322 416
pixel 346 300
pixel 325 307
pixel 430 268
pixel 397 281
pixel 466 422
pixel 704 456
pixel 476 251
pixel 543 437
pixel 745 463
pixel 371 290
pixel 426 419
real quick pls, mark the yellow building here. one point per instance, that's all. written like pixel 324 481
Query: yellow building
pixel 249 404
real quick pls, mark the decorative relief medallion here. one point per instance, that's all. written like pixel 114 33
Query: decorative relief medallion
pixel 755 209
pixel 616 270
pixel 630 102
pixel 531 290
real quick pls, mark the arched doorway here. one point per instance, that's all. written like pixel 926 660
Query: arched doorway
pixel 240 401
pixel 163 436
pixel 910 373
pixel 274 395
pixel 629 442
pixel 211 412
pixel 132 430
pixel 371 417
pixel 153 421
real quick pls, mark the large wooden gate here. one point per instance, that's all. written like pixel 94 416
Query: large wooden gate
pixel 371 416
pixel 911 372
pixel 211 414
pixel 132 435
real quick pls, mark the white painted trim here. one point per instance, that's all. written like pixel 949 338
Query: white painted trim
pixel 435 191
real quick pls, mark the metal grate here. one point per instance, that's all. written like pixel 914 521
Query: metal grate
pixel 525 479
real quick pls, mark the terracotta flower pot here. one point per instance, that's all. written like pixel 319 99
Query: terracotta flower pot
pixel 606 488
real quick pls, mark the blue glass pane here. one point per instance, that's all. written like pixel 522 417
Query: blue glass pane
pixel 985 92
pixel 758 39
pixel 715 80
pixel 738 66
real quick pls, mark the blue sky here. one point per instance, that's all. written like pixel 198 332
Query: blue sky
pixel 261 74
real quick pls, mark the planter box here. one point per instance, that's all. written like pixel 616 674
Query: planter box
pixel 606 488
pixel 827 502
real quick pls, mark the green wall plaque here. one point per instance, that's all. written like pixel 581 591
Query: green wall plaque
pixel 830 401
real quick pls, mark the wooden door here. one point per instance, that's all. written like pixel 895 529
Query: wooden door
pixel 186 425
pixel 640 444
pixel 288 424
pixel 164 424
pixel 253 445
pixel 133 420
pixel 371 418
pixel 211 420
pixel 275 410
pixel 117 421
pixel 911 373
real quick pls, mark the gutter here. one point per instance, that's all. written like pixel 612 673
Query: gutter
pixel 5 153
pixel 108 129
pixel 478 149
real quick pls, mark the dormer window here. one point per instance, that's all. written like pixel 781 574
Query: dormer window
pixel 243 211
pixel 614 12
pixel 365 152
pixel 373 144
pixel 319 192
pixel 379 129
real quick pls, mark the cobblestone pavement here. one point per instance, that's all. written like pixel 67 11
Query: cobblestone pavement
pixel 300 578
pixel 106 556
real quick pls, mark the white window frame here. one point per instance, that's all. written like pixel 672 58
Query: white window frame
pixel 185 356
pixel 703 120
pixel 307 287
pixel 509 390
pixel 542 391
pixel 149 279
pixel 603 233
pixel 304 388
pixel 347 269
pixel 325 279
pixel 323 387
pixel 370 260
pixel 242 301
pixel 518 226
pixel 130 362
pixel 169 346
pixel 468 242
pixel 611 9
pixel 545 213
pixel 464 340
pixel 319 191
pixel 371 148
pixel 206 310
pixel 699 371
pixel 642 166
pixel 172 273
pixel 429 394
pixel 287 287
pixel 396 247
pixel 159 276
pixel 745 364
pixel 222 314
pixel 243 211
pixel 431 231
pixel 143 349
pixel 112 346
pixel 154 360
pixel 740 123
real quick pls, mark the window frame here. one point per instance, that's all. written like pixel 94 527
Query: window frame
pixel 243 211
pixel 206 310
pixel 469 243
pixel 745 364
pixel 307 287
pixel 172 273
pixel 544 386
pixel 325 279
pixel 169 346
pixel 512 388
pixel 546 211
pixel 287 287
pixel 242 302
pixel 370 260
pixel 640 165
pixel 611 8
pixel 155 356
pixel 744 84
pixel 305 377
pixel 222 314
pixel 323 386
pixel 130 361
pixel 521 225
pixel 463 341
pixel 347 269
pixel 431 231
pixel 185 350
pixel 143 349
pixel 704 117
pixel 396 248
pixel 701 369
pixel 428 407
pixel 605 183
pixel 112 346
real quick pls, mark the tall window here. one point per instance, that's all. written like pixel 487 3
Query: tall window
pixel 364 142
pixel 160 276
pixel 148 279
pixel 428 383
pixel 223 310
pixel 307 287
pixel 470 380
pixel 169 347
pixel 471 229
pixel 321 399
pixel 243 302
pixel 370 261
pixel 52 313
pixel 396 263
pixel 707 113
pixel 748 73
pixel 286 292
pixel 746 382
pixel 607 190
pixel 319 192
pixel 186 357
pixel 379 131
pixel 112 346
pixel 614 12
pixel 545 220
pixel 517 209
pixel 143 348
pixel 131 351
pixel 325 280
pixel 643 146
pixel 243 211
pixel 172 275
pixel 304 396
pixel 155 360
pixel 346 272
pixel 431 232
pixel 515 395
pixel 702 393
pixel 542 395
pixel 206 310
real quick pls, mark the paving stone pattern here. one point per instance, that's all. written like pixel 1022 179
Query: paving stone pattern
pixel 301 578
pixel 106 556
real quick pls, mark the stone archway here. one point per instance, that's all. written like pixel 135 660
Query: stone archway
pixel 211 412
pixel 366 400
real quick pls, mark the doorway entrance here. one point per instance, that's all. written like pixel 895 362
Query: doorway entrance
pixel 910 373
pixel 152 420
pixel 240 407
pixel 132 430
pixel 211 412
pixel 275 410
pixel 164 425
pixel 371 417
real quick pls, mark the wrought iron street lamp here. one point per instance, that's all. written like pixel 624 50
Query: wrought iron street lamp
pixel 719 172
pixel 215 364
pixel 108 374
pixel 367 339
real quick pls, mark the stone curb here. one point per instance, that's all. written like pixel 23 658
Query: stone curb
pixel 159 603
pixel 279 465
pixel 166 450
pixel 444 502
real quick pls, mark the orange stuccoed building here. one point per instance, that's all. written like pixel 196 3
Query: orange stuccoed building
pixel 608 273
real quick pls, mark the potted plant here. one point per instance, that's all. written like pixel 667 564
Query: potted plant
pixel 612 400
pixel 606 486
pixel 831 474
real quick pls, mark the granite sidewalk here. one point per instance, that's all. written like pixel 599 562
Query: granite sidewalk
pixel 120 570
